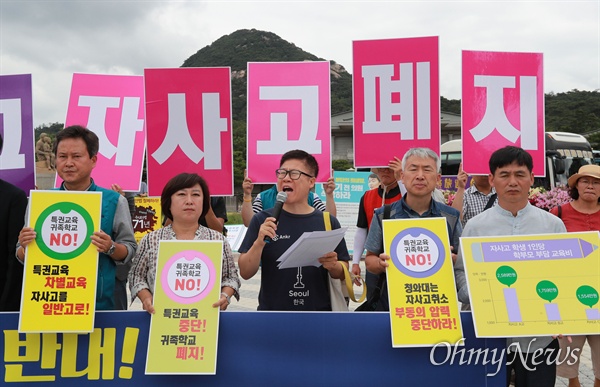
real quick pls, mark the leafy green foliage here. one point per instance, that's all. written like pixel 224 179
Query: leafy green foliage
pixel 234 218
pixel 49 129
pixel 576 111
pixel 239 152
pixel 341 165
pixel 450 105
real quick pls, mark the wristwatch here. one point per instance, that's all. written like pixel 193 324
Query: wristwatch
pixel 228 297
pixel 111 249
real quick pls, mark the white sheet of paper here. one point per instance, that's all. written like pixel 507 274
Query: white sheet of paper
pixel 311 246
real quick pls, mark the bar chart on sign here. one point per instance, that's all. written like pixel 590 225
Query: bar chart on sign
pixel 535 286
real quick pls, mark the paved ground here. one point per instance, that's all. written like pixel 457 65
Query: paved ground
pixel 44 178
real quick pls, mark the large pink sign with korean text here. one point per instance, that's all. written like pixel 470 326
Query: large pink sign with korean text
pixel 188 114
pixel 288 108
pixel 112 106
pixel 502 104
pixel 396 98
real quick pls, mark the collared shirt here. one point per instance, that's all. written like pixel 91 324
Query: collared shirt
pixel 401 210
pixel 496 222
pixel 143 270
pixel 474 202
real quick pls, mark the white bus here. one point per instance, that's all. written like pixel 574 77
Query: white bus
pixel 565 153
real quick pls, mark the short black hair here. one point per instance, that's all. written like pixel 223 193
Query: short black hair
pixel 298 154
pixel 508 155
pixel 182 181
pixel 77 131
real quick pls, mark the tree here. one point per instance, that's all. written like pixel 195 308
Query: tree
pixel 239 153
pixel 50 129
pixel 576 111
pixel 450 105
pixel 341 165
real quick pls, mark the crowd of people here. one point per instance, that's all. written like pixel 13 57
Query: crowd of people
pixel 493 205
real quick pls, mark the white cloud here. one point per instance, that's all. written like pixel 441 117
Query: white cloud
pixel 53 39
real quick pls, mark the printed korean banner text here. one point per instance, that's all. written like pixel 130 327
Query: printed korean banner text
pixel 502 104
pixel 288 108
pixel 61 265
pixel 188 116
pixel 17 158
pixel 396 98
pixel 532 285
pixel 422 292
pixel 184 329
pixel 112 106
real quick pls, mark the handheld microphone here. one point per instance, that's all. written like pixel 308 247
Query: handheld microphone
pixel 279 200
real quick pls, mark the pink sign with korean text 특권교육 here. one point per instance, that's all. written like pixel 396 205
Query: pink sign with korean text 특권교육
pixel 288 108
pixel 502 104
pixel 396 98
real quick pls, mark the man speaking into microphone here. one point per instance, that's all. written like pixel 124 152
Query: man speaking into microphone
pixel 270 234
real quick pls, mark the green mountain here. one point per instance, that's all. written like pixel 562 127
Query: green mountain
pixel 237 49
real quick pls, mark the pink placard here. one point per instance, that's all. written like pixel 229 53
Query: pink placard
pixel 288 108
pixel 502 104
pixel 112 106
pixel 188 114
pixel 396 98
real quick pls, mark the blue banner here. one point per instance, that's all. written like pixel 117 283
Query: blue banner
pixel 255 349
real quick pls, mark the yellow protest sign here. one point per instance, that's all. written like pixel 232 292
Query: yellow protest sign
pixel 532 285
pixel 422 293
pixel 61 265
pixel 147 216
pixel 184 328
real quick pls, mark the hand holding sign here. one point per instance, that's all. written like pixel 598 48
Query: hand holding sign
pixel 26 236
pixel 102 241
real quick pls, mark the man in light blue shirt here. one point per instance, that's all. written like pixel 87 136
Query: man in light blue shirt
pixel 511 175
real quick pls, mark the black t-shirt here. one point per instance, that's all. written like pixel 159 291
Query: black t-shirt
pixel 297 289
pixel 218 206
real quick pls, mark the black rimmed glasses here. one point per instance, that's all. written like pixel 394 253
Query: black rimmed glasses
pixel 294 174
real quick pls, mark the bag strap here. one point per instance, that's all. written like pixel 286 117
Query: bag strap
pixel 327 221
pixel 347 278
pixel 559 211
pixel 490 202
pixel 387 209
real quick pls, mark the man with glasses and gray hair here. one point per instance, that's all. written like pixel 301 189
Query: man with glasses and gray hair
pixel 268 237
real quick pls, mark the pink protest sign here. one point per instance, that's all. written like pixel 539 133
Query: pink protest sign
pixel 502 104
pixel 396 98
pixel 288 108
pixel 112 106
pixel 188 114
pixel 17 159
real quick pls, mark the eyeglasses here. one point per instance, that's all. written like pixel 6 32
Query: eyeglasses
pixel 585 182
pixel 294 174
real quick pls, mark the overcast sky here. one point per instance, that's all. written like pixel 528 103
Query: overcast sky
pixel 52 39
